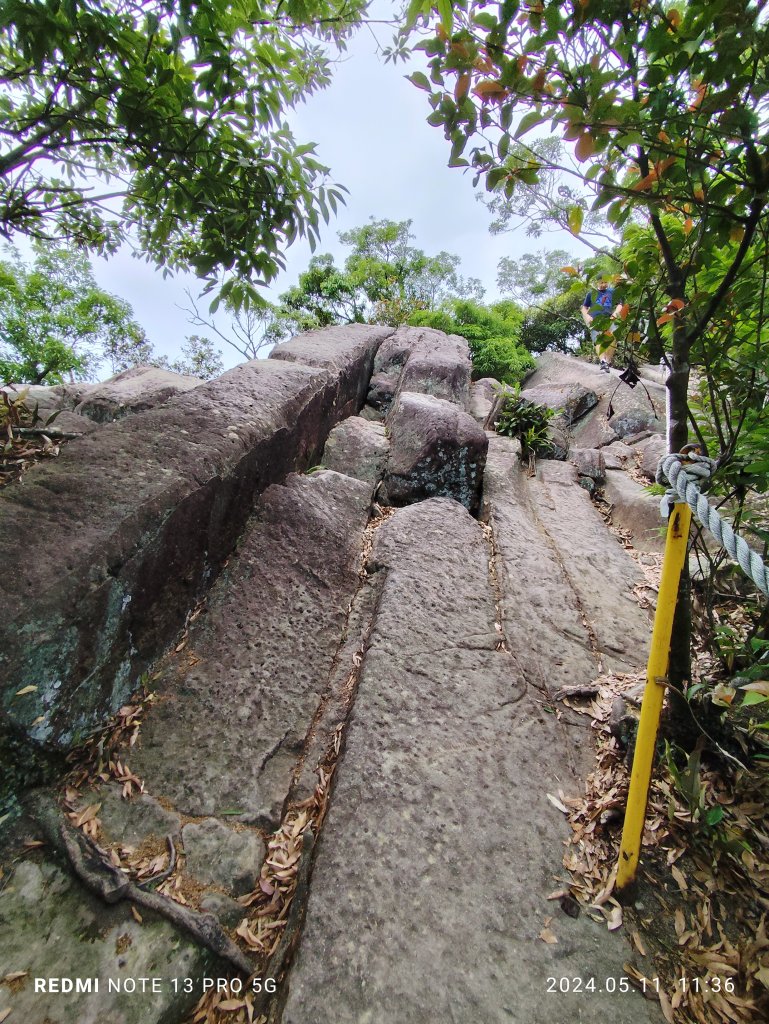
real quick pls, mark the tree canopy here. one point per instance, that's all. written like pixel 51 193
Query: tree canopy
pixel 56 323
pixel 165 120
pixel 385 279
pixel 665 109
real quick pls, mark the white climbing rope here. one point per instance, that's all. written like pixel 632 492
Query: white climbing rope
pixel 684 473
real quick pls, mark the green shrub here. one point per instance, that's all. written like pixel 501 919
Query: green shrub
pixel 525 420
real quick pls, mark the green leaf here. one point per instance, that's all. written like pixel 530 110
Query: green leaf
pixel 420 80
pixel 528 122
pixel 446 13
pixel 714 815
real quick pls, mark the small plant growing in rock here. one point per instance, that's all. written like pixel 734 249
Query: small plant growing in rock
pixel 525 420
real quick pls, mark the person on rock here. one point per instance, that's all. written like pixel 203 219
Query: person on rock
pixel 601 304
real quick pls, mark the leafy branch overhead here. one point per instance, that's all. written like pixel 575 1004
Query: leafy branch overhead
pixel 663 109
pixel 166 121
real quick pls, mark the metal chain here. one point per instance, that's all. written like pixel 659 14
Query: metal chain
pixel 683 472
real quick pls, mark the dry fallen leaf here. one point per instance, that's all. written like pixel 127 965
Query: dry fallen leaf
pixel 136 914
pixel 4 1015
pixel 14 976
pixel 557 803
pixel 548 936
pixel 24 690
pixel 679 877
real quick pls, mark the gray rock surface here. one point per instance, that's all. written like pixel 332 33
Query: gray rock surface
pixel 598 568
pixel 237 703
pixel 653 451
pixel 422 360
pixel 348 352
pixel 145 512
pixel 593 430
pixel 132 391
pixel 589 462
pixel 382 390
pixel 542 615
pixel 634 420
pixel 54 929
pixel 618 455
pixel 215 854
pixel 482 395
pixel 437 449
pixel 131 821
pixel 428 892
pixel 570 401
pixel 635 511
pixel 358 448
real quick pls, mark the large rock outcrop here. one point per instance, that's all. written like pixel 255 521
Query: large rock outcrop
pixel 129 526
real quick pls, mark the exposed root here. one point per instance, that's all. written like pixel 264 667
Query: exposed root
pixel 93 869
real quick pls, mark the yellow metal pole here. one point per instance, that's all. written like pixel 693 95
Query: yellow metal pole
pixel 654 695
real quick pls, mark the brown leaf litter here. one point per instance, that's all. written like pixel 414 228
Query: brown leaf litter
pixel 700 923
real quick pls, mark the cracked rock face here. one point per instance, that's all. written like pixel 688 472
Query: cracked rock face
pixel 438 450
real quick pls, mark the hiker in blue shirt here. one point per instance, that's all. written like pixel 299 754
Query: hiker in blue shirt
pixel 601 303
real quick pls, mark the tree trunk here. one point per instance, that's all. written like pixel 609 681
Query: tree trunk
pixel 680 668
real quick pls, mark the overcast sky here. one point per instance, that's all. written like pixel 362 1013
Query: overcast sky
pixel 370 129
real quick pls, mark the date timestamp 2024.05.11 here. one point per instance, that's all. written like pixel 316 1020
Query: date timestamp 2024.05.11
pixel 709 983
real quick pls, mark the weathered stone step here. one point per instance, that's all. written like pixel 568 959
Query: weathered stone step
pixel 567 584
pixel 428 892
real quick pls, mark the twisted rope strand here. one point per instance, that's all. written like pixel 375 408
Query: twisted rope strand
pixel 683 480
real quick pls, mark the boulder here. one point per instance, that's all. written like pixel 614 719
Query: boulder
pixel 130 526
pixel 382 390
pixel 437 450
pixel 570 401
pixel 635 511
pixel 590 462
pixel 594 429
pixel 617 455
pixel 132 391
pixel 424 361
pixel 483 394
pixel 634 419
pixel 358 448
pixel 653 451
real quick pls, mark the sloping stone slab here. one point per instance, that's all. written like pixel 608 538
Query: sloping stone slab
pixel 600 571
pixel 570 401
pixel 358 448
pixel 541 611
pixel 53 929
pixel 237 703
pixel 129 526
pixel 428 892
pixel 347 351
pixel 636 511
pixel 428 362
pixel 437 449
pixel 133 390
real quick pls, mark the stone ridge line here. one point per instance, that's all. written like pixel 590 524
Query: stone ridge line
pixel 436 856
